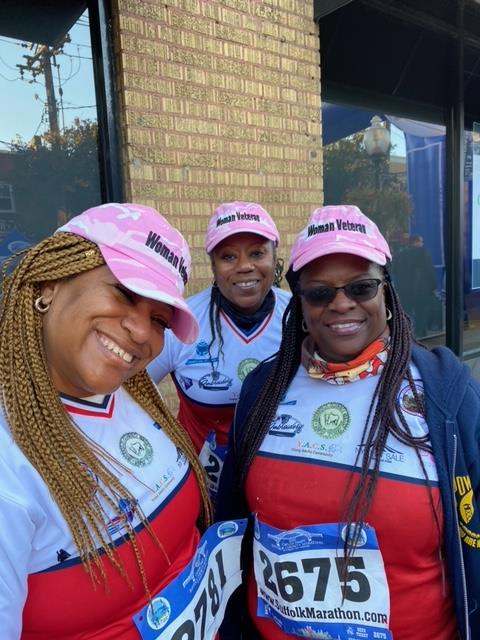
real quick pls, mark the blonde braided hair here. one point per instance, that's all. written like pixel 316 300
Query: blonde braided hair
pixel 71 467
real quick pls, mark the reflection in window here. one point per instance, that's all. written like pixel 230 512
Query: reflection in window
pixel 402 188
pixel 471 334
pixel 49 169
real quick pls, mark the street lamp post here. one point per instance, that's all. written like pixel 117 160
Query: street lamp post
pixel 376 140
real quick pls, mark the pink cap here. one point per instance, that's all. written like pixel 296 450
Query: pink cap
pixel 339 229
pixel 239 217
pixel 145 253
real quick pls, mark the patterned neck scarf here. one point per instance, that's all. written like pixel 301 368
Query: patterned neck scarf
pixel 368 363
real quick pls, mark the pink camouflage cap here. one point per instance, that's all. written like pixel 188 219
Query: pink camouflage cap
pixel 239 217
pixel 339 229
pixel 145 253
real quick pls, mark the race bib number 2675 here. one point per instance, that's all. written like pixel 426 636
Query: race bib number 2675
pixel 308 588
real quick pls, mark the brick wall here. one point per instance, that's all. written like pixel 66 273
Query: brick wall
pixel 220 101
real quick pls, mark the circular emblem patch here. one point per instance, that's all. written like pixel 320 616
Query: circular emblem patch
pixel 136 449
pixel 330 420
pixel 245 366
pixel 407 399
pixel 158 613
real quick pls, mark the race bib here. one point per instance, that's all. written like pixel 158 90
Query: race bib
pixel 304 586
pixel 193 605
pixel 212 457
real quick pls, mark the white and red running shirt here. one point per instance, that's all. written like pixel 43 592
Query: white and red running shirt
pixel 45 593
pixel 299 477
pixel 208 384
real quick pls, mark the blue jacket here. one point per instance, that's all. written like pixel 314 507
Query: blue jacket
pixel 452 400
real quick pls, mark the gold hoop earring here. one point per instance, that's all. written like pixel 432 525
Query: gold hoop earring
pixel 304 327
pixel 40 305
pixel 389 314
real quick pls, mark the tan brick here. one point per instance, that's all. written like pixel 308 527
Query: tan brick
pixel 193 92
pixel 198 192
pixel 172 105
pixel 176 140
pixel 301 83
pixel 275 137
pixel 133 25
pixel 303 112
pixel 171 70
pixel 141 171
pixel 239 5
pixel 144 9
pixel 212 46
pixel 237 116
pixel 231 34
pixel 148 83
pixel 197 159
pixel 232 18
pixel 153 120
pixel 289 95
pixel 190 6
pixel 210 10
pixel 235 100
pixel 269 75
pixel 190 58
pixel 270 13
pixel 235 67
pixel 188 22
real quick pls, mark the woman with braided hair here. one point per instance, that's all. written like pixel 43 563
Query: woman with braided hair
pixel 356 451
pixel 101 491
pixel 240 325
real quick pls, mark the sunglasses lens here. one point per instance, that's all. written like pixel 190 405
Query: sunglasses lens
pixel 362 290
pixel 359 291
pixel 319 296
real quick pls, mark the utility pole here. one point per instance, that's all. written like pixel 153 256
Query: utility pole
pixel 40 64
pixel 45 57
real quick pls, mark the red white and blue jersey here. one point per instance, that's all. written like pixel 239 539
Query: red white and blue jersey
pixel 45 593
pixel 208 384
pixel 301 475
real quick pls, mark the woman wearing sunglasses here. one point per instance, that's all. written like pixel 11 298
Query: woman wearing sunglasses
pixel 356 452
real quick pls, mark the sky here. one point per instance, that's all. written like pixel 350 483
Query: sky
pixel 24 111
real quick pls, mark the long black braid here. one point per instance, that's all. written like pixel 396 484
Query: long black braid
pixel 384 416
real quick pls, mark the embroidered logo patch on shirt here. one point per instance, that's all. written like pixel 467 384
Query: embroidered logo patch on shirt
pixel 331 420
pixel 136 449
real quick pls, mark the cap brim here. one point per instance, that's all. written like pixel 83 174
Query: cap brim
pixel 369 253
pixel 256 232
pixel 184 324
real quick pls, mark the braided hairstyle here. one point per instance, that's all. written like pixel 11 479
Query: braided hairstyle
pixel 214 305
pixel 68 462
pixel 384 416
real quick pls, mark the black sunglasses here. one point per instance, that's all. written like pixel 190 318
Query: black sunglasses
pixel 359 291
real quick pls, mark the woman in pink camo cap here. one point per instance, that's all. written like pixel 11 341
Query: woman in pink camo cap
pixel 357 451
pixel 101 491
pixel 240 325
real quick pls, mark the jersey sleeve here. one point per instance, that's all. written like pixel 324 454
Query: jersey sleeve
pixel 16 538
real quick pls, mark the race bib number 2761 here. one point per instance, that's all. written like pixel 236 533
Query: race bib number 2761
pixel 193 605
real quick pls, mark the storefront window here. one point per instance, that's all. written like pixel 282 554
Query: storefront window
pixel 49 168
pixel 471 315
pixel 402 187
